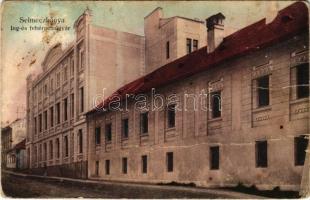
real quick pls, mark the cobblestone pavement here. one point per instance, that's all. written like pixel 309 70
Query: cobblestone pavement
pixel 19 186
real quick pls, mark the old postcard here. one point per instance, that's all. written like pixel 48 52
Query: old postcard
pixel 155 99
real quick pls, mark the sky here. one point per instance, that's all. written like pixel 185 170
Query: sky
pixel 23 51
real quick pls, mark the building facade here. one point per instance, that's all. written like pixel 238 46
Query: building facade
pixel 236 111
pixel 58 98
pixel 99 61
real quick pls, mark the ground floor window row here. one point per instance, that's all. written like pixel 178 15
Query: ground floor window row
pixel 261 157
pixel 52 148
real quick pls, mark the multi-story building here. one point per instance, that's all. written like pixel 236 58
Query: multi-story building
pixel 6 144
pixel 235 111
pixel 97 62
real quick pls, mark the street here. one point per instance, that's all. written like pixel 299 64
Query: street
pixel 26 187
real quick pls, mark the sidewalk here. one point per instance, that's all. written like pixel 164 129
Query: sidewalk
pixel 215 192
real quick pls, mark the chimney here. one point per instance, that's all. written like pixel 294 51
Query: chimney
pixel 215 28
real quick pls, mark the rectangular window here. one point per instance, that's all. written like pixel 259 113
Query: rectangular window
pixel 58 112
pixel 58 79
pixel 167 50
pixel 52 84
pixel 214 157
pixel 45 151
pixel 169 156
pixel 124 128
pixel 80 141
pixel 82 59
pixel 171 116
pixel 195 45
pixel 216 104
pixel 97 135
pixel 45 120
pixel 45 89
pixel 51 149
pixel 302 80
pixel 40 152
pixel 188 45
pixel 57 148
pixel 97 168
pixel 261 154
pixel 263 91
pixel 40 123
pixel 81 100
pixel 108 132
pixel 65 73
pixel 301 144
pixel 124 165
pixel 66 146
pixel 144 164
pixel 35 125
pixel 66 109
pixel 107 167
pixel 72 66
pixel 72 105
pixel 52 116
pixel 144 121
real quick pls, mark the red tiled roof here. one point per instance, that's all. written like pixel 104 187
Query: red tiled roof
pixel 290 21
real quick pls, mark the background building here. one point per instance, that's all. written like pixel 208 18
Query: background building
pixel 256 125
pixel 16 156
pixel 6 144
pixel 11 135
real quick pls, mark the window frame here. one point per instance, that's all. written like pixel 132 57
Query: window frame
pixel 125 131
pixel 144 123
pixel 98 135
pixel 214 157
pixel 300 88
pixel 215 114
pixel 261 158
pixel 169 161
pixel 124 165
pixel 108 132
pixel 298 161
pixel 260 91
pixel 171 116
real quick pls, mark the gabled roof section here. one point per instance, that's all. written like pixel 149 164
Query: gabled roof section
pixel 290 21
pixel 52 55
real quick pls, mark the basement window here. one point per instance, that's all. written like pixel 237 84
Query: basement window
pixel 301 144
pixel 144 164
pixel 263 91
pixel 124 165
pixel 214 157
pixel 302 79
pixel 169 156
pixel 261 154
pixel 107 167
pixel 97 168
